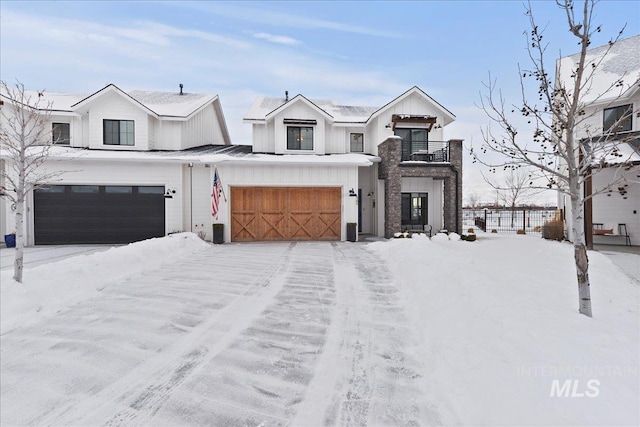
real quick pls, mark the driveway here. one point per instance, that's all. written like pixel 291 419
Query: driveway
pixel 240 334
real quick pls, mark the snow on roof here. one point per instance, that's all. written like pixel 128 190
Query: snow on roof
pixel 170 104
pixel 236 154
pixel 621 62
pixel 264 105
pixel 54 100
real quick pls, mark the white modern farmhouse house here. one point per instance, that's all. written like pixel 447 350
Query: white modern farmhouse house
pixel 612 106
pixel 142 164
pixel 121 155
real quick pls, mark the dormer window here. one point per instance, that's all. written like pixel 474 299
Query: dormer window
pixel 617 119
pixel 357 142
pixel 299 138
pixel 60 133
pixel 119 132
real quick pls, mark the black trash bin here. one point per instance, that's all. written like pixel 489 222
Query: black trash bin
pixel 218 233
pixel 352 229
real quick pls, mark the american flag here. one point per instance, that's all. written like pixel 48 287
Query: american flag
pixel 215 194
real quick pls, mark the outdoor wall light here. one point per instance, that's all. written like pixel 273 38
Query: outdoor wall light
pixel 169 193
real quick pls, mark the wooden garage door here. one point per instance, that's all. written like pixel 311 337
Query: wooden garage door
pixel 285 213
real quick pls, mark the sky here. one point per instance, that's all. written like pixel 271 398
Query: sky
pixel 357 53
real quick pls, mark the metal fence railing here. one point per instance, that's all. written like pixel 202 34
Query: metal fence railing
pixel 505 220
pixel 425 151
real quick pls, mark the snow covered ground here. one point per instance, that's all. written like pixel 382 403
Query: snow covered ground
pixel 175 331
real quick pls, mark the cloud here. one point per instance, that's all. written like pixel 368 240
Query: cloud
pixel 277 39
pixel 280 19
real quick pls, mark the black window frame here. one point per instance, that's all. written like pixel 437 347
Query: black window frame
pixel 411 215
pixel 295 140
pixel 615 114
pixel 112 133
pixel 409 145
pixel 351 142
pixel 60 133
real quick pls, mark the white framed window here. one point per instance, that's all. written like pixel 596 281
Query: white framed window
pixel 356 142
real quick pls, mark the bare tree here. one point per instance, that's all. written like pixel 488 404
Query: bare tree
pixel 515 189
pixel 25 140
pixel 473 200
pixel 557 113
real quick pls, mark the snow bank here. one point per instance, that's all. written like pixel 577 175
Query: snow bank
pixel 53 287
pixel 499 326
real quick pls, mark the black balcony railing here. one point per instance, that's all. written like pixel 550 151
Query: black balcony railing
pixel 425 151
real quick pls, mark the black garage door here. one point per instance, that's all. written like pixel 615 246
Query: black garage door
pixel 73 214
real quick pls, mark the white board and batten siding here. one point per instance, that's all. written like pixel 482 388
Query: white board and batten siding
pixel 264 137
pixel 201 129
pixel 197 183
pixel 270 175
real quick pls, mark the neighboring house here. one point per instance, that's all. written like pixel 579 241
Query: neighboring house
pixel 121 153
pixel 614 114
pixel 142 164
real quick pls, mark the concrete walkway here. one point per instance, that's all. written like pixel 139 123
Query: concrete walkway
pixel 627 258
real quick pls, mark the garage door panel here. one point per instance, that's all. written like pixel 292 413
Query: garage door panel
pixel 98 214
pixel 285 213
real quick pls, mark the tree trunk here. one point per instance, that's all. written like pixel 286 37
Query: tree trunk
pixel 581 258
pixel 20 199
pixel 19 255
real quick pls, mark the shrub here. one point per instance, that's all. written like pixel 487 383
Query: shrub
pixel 521 231
pixel 553 230
pixel 494 230
pixel 468 237
pixel 471 230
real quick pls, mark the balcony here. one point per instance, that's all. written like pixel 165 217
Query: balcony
pixel 426 151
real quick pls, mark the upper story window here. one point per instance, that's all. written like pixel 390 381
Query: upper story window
pixel 299 138
pixel 119 132
pixel 617 119
pixel 60 133
pixel 357 142
pixel 413 140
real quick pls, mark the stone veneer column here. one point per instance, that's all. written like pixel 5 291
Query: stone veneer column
pixel 390 153
pixel 455 157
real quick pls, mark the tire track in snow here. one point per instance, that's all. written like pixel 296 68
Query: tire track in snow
pixel 381 386
pixel 162 374
pixel 262 377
